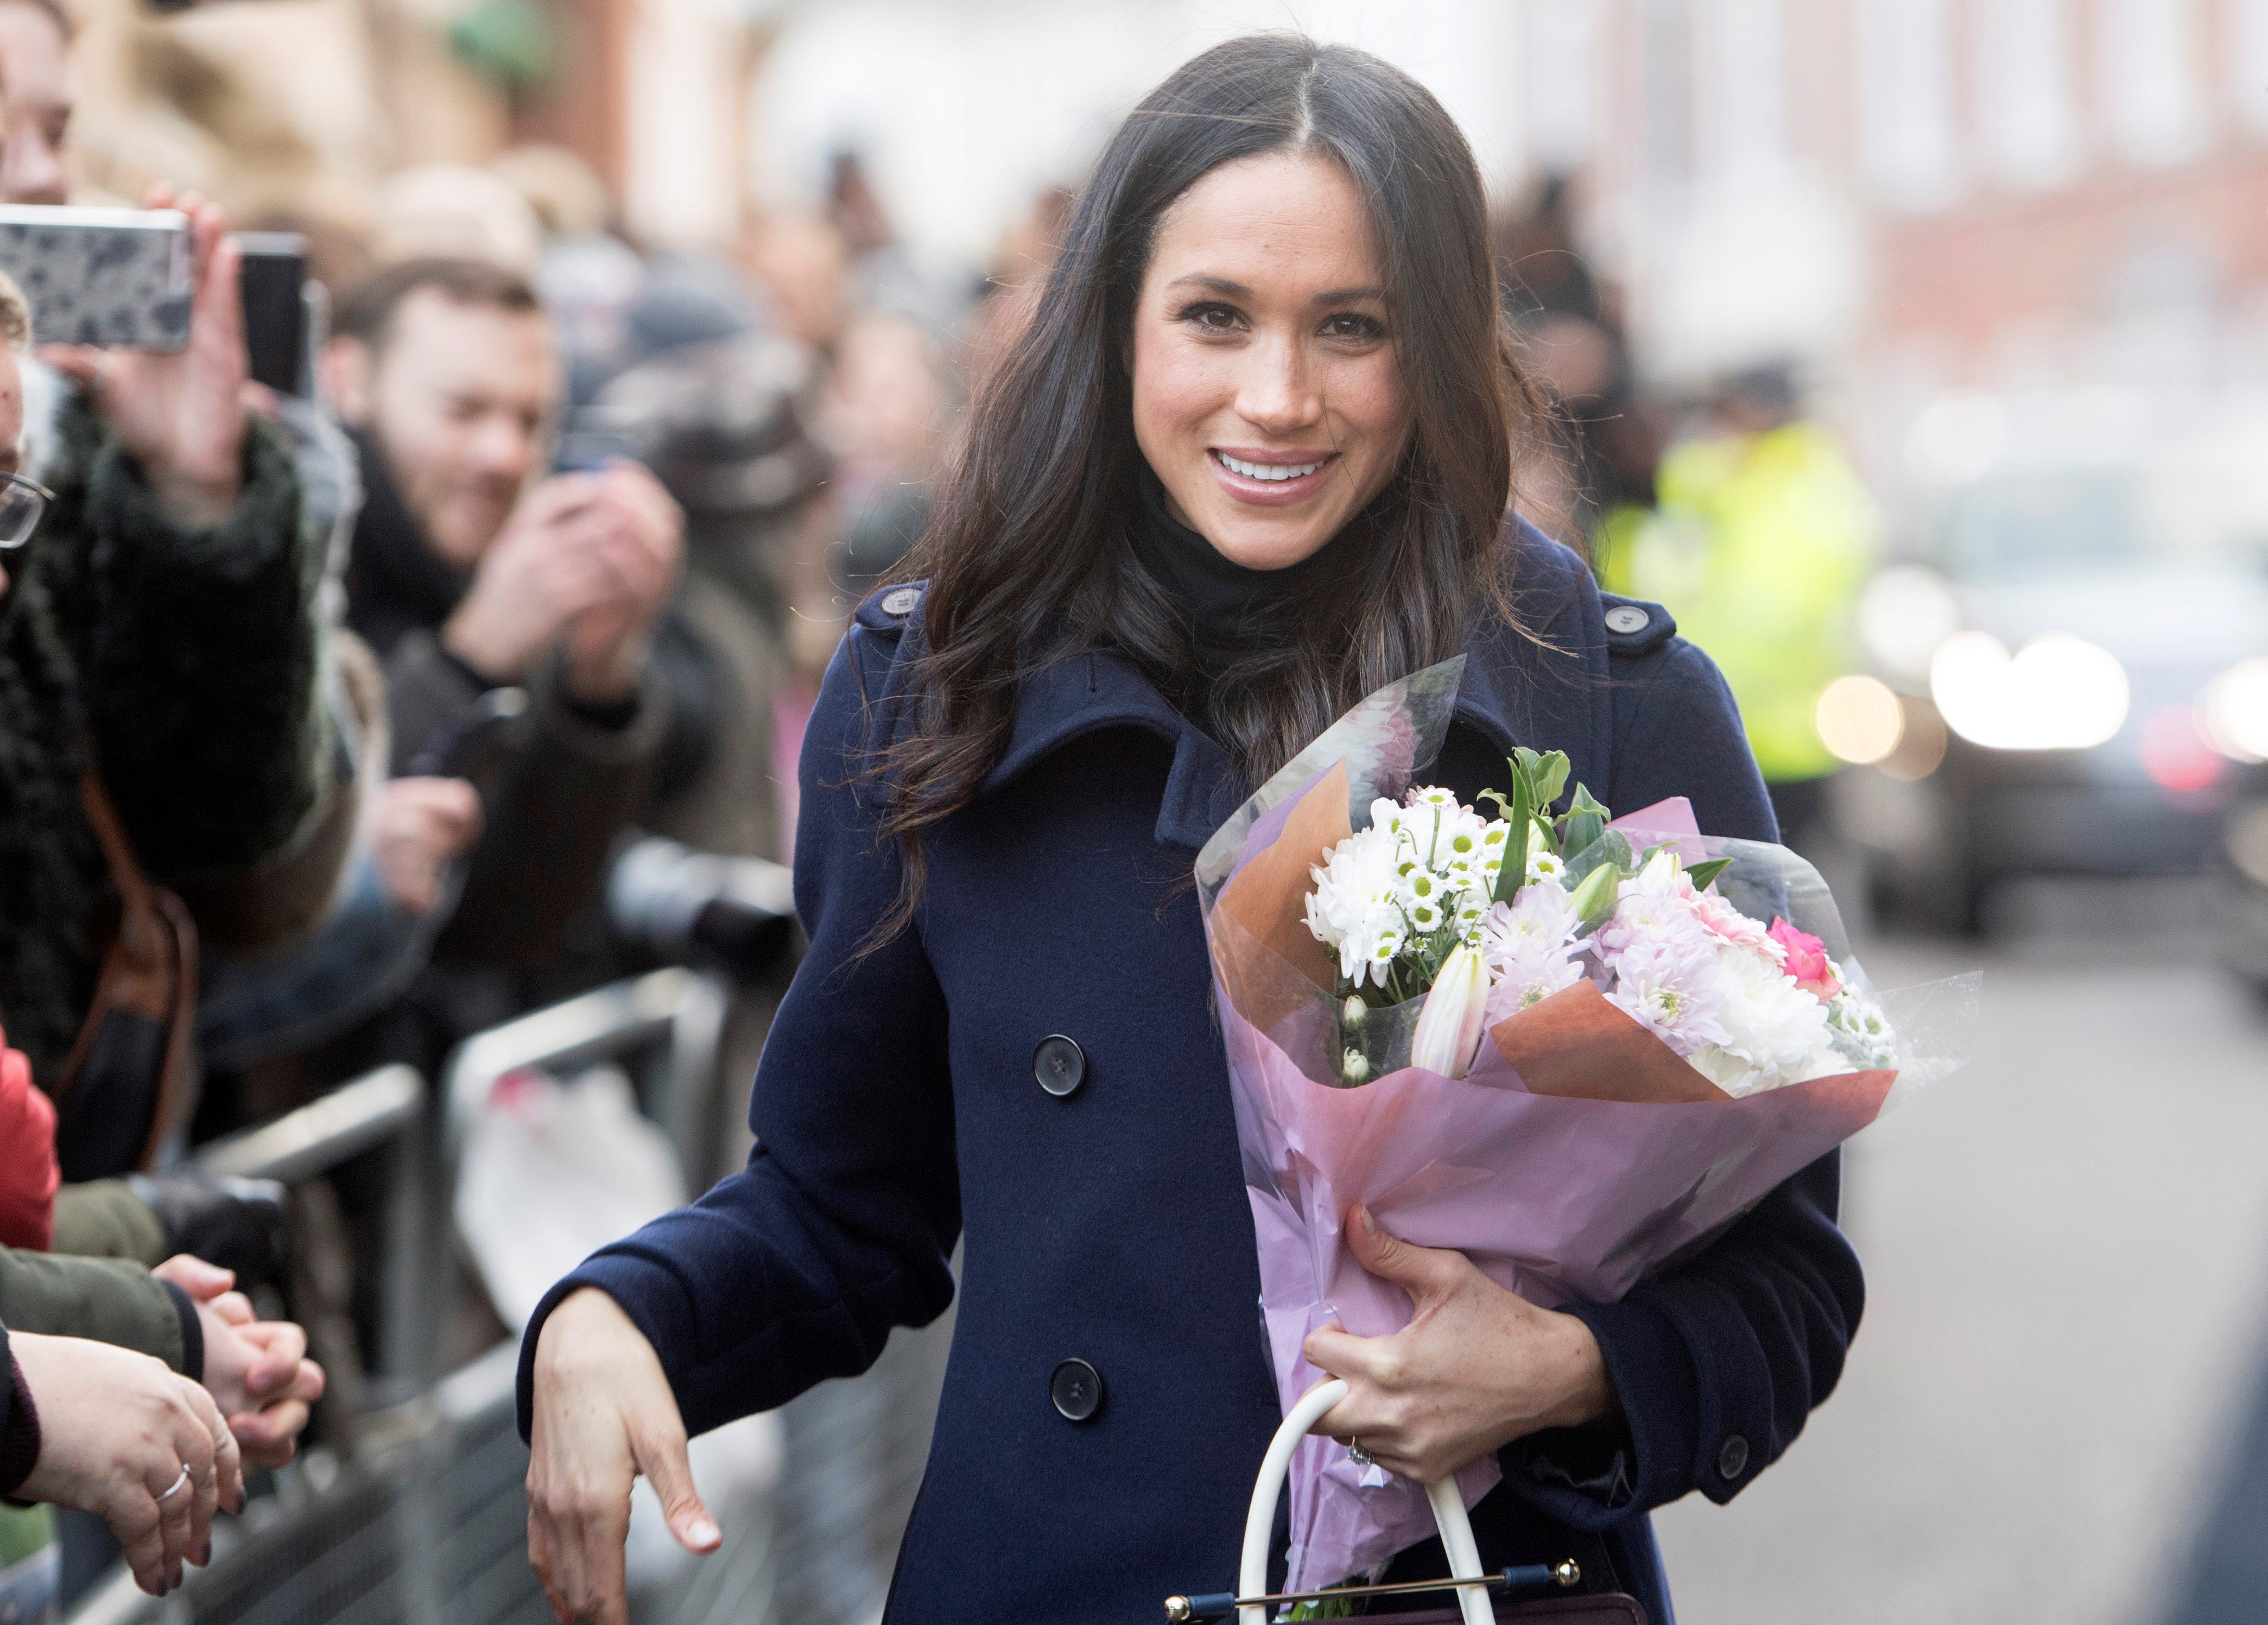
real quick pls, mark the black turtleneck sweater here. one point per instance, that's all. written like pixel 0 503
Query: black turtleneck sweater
pixel 1231 611
pixel 395 582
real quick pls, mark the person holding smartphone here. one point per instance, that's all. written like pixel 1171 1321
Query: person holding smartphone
pixel 161 642
pixel 131 1394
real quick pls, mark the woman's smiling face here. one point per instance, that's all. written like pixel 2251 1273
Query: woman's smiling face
pixel 1268 396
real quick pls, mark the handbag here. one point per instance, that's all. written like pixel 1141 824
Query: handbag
pixel 1481 1598
pixel 129 1082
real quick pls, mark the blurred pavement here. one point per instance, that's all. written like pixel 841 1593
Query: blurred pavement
pixel 2066 1250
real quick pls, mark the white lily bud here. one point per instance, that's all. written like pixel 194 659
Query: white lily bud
pixel 1449 1027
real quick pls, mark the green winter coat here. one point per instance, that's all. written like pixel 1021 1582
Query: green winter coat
pixel 107 1300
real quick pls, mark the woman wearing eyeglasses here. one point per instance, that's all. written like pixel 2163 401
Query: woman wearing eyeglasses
pixel 157 637
pixel 159 628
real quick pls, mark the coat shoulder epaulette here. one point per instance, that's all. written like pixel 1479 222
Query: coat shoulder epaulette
pixel 887 611
pixel 1635 627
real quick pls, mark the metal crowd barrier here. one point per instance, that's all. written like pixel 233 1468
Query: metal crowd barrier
pixel 384 1109
pixel 425 1524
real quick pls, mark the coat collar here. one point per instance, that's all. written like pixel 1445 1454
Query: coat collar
pixel 1084 693
pixel 1541 690
pixel 1506 701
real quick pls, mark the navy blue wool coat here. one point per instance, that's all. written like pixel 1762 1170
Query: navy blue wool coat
pixel 897 1111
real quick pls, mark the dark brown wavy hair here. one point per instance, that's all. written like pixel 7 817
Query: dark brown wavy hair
pixel 1027 555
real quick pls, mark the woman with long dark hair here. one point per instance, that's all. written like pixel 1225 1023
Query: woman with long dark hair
pixel 1251 460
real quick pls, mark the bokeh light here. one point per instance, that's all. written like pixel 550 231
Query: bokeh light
pixel 1859 719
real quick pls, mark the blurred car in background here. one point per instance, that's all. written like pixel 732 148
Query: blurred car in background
pixel 2072 667
pixel 2240 898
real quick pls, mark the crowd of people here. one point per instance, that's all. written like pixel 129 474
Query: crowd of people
pixel 337 727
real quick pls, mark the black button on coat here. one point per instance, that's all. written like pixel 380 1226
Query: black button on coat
pixel 1059 1064
pixel 895 1112
pixel 1076 1387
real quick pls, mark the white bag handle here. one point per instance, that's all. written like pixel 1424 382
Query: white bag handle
pixel 1260 1523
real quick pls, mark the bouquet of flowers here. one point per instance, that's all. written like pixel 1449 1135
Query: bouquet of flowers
pixel 1571 1046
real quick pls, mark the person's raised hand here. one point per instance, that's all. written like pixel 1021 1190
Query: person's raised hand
pixel 256 1371
pixel 541 571
pixel 603 1412
pixel 1476 1367
pixel 637 532
pixel 417 828
pixel 179 414
pixel 116 1428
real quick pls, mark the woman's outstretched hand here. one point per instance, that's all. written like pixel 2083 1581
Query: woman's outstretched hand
pixel 117 1431
pixel 603 1413
pixel 1476 1367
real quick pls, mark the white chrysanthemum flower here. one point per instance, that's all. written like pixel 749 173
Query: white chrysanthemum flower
pixel 1526 979
pixel 1539 923
pixel 1771 1023
pixel 1643 912
pixel 1669 983
pixel 1463 831
pixel 1387 814
pixel 1494 833
pixel 1380 946
pixel 1425 917
pixel 1432 795
pixel 1547 866
pixel 1727 1071
pixel 1357 880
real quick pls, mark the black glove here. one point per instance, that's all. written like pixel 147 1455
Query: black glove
pixel 238 1224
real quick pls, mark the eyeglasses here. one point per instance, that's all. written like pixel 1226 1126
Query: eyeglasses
pixel 22 502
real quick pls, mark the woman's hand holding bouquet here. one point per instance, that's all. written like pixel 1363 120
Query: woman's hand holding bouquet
pixel 1476 1367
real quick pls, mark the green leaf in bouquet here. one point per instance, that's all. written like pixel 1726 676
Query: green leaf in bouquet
pixel 1611 850
pixel 1586 821
pixel 1519 813
pixel 1550 775
pixel 1702 873
pixel 1594 899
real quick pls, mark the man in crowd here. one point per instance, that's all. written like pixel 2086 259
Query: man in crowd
pixel 487 591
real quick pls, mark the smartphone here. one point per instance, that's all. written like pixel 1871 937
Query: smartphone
pixel 101 275
pixel 283 312
pixel 586 451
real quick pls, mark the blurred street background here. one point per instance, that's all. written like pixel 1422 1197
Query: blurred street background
pixel 1914 352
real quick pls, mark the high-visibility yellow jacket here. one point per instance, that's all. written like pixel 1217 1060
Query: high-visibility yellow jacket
pixel 1759 548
